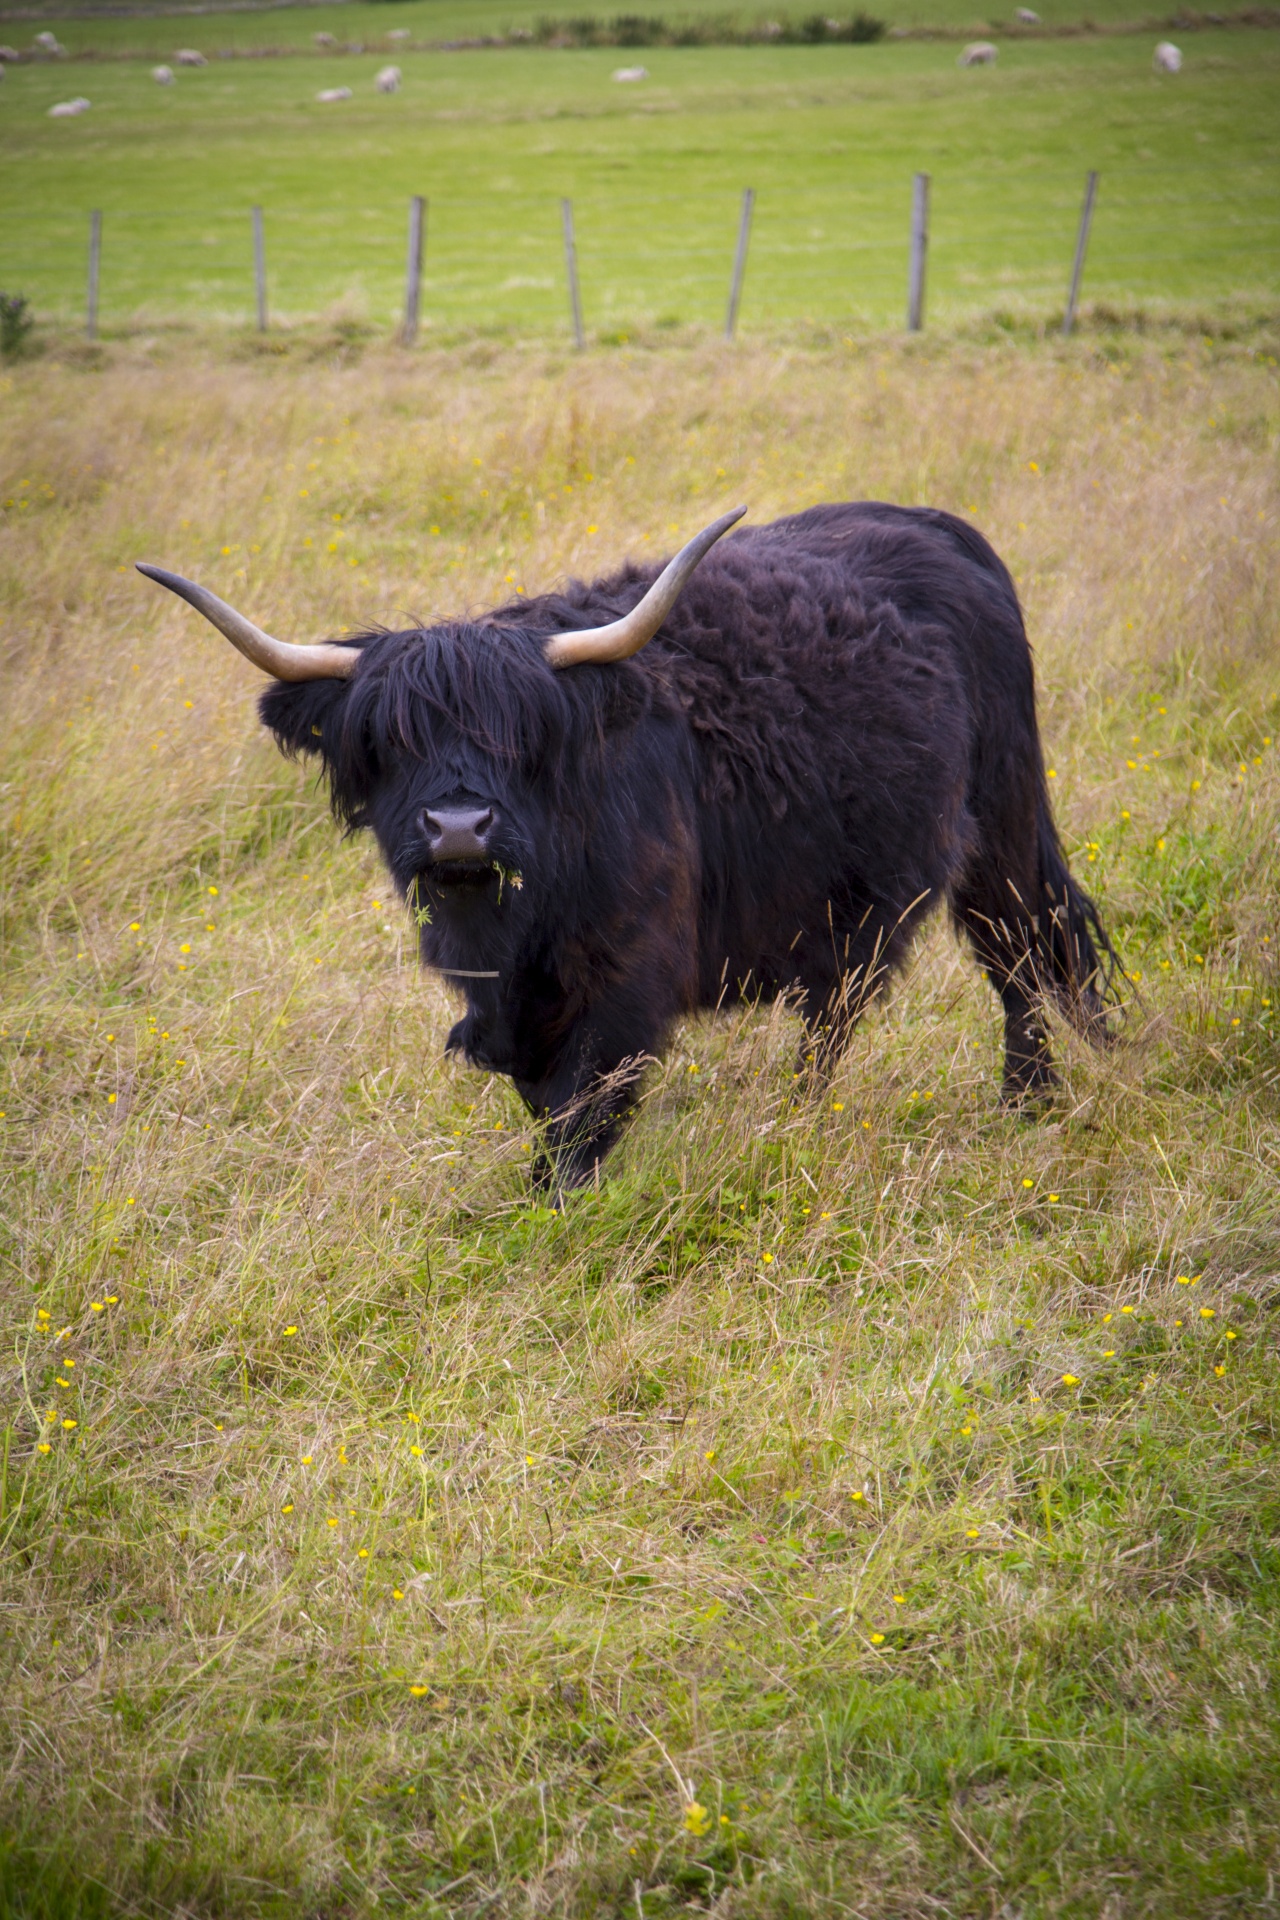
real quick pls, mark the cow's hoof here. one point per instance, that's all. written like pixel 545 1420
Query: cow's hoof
pixel 1029 1085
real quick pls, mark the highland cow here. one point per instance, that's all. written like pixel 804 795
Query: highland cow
pixel 673 790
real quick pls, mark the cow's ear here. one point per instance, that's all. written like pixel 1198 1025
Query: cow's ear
pixel 303 714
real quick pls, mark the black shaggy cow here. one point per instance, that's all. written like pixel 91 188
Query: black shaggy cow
pixel 831 729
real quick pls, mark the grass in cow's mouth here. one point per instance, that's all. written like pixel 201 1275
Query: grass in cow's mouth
pixel 866 1500
pixel 419 910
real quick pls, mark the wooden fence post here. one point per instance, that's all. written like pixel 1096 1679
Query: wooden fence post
pixel 739 262
pixel 571 268
pixel 919 251
pixel 413 272
pixel 1082 244
pixel 260 268
pixel 95 262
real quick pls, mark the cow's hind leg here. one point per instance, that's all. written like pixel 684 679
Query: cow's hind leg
pixel 1004 938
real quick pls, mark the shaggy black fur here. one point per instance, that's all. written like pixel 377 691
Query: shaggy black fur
pixel 834 730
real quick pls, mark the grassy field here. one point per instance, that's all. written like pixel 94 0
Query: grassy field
pixel 156 30
pixel 862 1507
pixel 829 137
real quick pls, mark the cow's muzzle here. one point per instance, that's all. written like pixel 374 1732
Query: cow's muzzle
pixel 457 833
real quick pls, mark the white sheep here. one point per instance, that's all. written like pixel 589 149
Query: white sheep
pixel 67 109
pixel 978 53
pixel 1167 58
pixel 49 43
pixel 324 39
pixel 163 76
pixel 1027 17
pixel 388 80
pixel 625 74
pixel 189 57
pixel 327 95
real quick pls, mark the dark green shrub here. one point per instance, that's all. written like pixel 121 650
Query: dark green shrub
pixel 16 322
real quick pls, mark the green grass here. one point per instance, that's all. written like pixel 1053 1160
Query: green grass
pixel 867 1505
pixel 828 137
pixel 156 31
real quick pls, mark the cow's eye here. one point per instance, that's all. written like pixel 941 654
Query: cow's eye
pixel 318 733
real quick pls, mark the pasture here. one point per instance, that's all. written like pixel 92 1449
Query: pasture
pixel 828 136
pixel 864 1504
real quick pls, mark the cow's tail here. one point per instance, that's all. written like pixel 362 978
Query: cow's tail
pixel 1075 959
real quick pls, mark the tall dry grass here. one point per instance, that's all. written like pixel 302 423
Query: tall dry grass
pixel 849 1507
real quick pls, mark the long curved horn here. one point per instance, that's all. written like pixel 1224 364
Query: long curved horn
pixel 278 657
pixel 621 638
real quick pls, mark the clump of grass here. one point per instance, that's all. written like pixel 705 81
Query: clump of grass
pixel 865 1499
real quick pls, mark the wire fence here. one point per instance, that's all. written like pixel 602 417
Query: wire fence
pixel 498 260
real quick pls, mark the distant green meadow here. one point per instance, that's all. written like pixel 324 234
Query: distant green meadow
pixel 155 29
pixel 829 137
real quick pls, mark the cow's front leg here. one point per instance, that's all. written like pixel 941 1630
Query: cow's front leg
pixel 585 1109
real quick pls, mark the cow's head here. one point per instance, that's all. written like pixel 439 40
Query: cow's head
pixel 460 745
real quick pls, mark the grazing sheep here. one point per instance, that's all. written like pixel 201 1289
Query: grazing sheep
pixel 163 76
pixel 327 95
pixel 399 33
pixel 1027 17
pixel 67 109
pixel 189 57
pixel 9 54
pixel 324 39
pixel 624 74
pixel 979 53
pixel 49 43
pixel 1167 58
pixel 388 80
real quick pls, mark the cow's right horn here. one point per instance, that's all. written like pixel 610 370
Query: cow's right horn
pixel 621 638
pixel 278 657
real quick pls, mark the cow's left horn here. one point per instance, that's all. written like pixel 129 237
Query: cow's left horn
pixel 278 657
pixel 621 638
